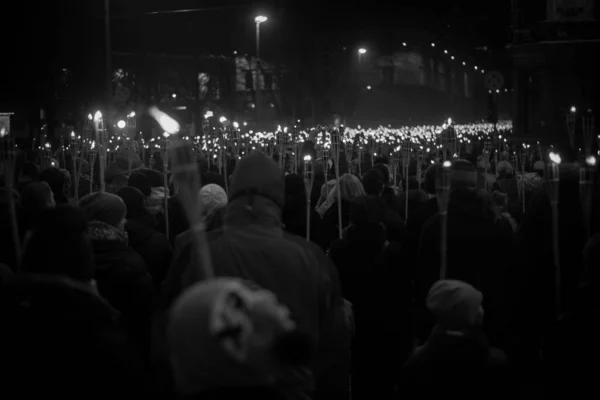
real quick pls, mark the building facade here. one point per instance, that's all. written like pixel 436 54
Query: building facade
pixel 555 61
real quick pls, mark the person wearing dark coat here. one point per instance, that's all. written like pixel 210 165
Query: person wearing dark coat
pixel 377 281
pixel 57 181
pixel 252 245
pixel 294 210
pixel 457 359
pixel 143 236
pixel 120 271
pixel 418 217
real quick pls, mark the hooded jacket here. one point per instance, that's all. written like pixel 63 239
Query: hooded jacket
pixel 252 245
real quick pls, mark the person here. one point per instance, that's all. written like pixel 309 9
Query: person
pixel 120 271
pixel 457 351
pixel 377 282
pixel 35 199
pixel 230 339
pixel 143 236
pixel 418 217
pixel 57 181
pixel 252 245
pixel 57 324
pixel 9 247
pixel 294 210
pixel 214 200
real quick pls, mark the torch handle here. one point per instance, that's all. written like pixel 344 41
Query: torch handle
pixel 556 254
pixel 443 244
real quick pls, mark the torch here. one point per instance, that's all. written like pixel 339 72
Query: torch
pixel 571 125
pixel 335 149
pixel 170 127
pixel 487 152
pixel 308 184
pixel 406 148
pixel 75 146
pixel 131 125
pixel 348 151
pixel 588 128
pixel 185 173
pixel 553 185
pixel 523 157
pixel 93 153
pixel 587 175
pixel 420 167
pixel 442 189
pixel 102 141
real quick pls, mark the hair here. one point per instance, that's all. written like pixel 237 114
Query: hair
pixel 350 188
pixel 60 245
pixel 373 182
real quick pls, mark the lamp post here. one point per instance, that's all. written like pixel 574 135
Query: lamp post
pixel 361 52
pixel 259 20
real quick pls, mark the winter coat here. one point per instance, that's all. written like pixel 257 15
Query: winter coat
pixel 152 245
pixel 122 277
pixel 252 245
pixel 418 217
pixel 457 364
pixel 64 341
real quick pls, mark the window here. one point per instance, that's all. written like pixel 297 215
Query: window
pixel 249 80
pixel 268 81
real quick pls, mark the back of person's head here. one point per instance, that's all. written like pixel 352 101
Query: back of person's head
pixel 350 188
pixel 258 174
pixel 37 197
pixel 209 177
pixel 383 160
pixel 373 182
pixel 134 201
pixel 140 181
pixel 116 182
pixel 455 304
pixel 431 178
pixel 385 171
pixel 104 207
pixel 60 246
pixel 30 170
pixel 157 179
pixel 463 174
pixel 212 198
pixel 55 178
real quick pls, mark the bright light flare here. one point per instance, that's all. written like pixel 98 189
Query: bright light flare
pixel 90 117
pixel 260 19
pixel 168 124
pixel 362 51
pixel 72 134
pixel 131 114
pixel 97 116
pixel 121 124
pixel 573 109
pixel 236 125
pixel 222 119
pixel 555 158
pixel 447 164
pixel 307 158
pixel 590 161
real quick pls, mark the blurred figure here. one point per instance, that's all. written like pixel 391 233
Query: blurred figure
pixel 294 210
pixel 8 247
pixel 29 174
pixel 213 199
pixel 143 236
pixel 457 352
pixel 228 339
pixel 419 216
pixel 35 198
pixel 377 282
pixel 121 273
pixel 56 323
pixel 57 181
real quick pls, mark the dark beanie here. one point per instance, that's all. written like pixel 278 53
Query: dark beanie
pixel 141 182
pixel 373 181
pixel 133 199
pixel 430 178
pixel 385 171
pixel 103 207
pixel 463 174
pixel 259 174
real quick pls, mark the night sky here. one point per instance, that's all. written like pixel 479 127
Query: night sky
pixel 45 37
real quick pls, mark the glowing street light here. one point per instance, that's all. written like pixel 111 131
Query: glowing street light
pixel 121 124
pixel 260 19
pixel 98 116
pixel 573 109
pixel 90 117
pixel 222 120
pixel 362 51
pixel 369 87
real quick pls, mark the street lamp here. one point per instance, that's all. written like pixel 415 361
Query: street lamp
pixel 259 20
pixel 361 52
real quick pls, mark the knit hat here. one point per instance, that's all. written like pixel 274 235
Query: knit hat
pixel 140 181
pixel 456 304
pixel 229 333
pixel 504 168
pixel 259 174
pixel 103 207
pixel 134 200
pixel 463 174
pixel 212 198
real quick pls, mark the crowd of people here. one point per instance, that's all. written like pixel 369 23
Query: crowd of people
pixel 100 297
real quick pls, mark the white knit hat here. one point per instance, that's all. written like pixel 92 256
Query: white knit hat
pixel 212 198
